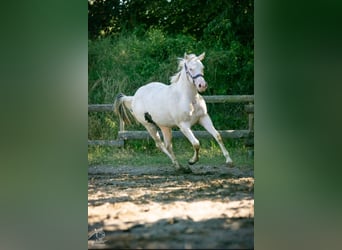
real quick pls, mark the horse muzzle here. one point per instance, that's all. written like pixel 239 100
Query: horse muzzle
pixel 201 85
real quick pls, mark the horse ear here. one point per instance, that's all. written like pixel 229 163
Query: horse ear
pixel 185 56
pixel 201 56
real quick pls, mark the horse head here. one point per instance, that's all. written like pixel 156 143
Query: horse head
pixel 194 70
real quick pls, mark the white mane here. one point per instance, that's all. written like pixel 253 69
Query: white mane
pixel 181 62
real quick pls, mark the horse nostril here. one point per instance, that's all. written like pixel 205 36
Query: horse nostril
pixel 200 86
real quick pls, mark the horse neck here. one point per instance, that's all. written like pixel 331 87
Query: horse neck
pixel 185 86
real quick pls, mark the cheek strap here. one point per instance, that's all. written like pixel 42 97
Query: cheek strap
pixel 188 72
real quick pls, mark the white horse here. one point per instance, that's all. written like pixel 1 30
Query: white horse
pixel 178 104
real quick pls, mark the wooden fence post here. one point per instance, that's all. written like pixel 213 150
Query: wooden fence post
pixel 122 128
pixel 122 125
pixel 249 141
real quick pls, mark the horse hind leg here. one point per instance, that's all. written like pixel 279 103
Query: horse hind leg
pixel 206 122
pixel 152 129
pixel 167 134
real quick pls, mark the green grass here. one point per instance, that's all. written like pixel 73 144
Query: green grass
pixel 139 153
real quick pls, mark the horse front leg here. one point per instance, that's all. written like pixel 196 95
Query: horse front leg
pixel 185 129
pixel 206 122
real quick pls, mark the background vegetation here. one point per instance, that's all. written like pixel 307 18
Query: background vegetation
pixel 134 42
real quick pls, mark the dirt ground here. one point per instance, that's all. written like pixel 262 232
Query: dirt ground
pixel 158 208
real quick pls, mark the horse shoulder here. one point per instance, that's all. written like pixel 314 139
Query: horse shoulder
pixel 200 105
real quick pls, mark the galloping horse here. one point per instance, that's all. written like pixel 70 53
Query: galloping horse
pixel 178 104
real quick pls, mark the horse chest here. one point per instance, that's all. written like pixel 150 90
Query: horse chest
pixel 191 111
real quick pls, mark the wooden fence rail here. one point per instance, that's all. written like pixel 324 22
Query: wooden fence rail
pixel 126 135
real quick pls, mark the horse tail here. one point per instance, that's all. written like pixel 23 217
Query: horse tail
pixel 123 108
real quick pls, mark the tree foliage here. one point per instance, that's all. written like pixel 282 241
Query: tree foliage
pixel 172 16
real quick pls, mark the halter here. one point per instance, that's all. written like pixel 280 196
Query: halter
pixel 192 77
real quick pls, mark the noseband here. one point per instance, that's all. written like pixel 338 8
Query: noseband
pixel 192 77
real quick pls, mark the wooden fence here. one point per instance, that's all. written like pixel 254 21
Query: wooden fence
pixel 123 134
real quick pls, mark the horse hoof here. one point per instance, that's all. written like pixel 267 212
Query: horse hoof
pixel 192 162
pixel 230 164
pixel 184 170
